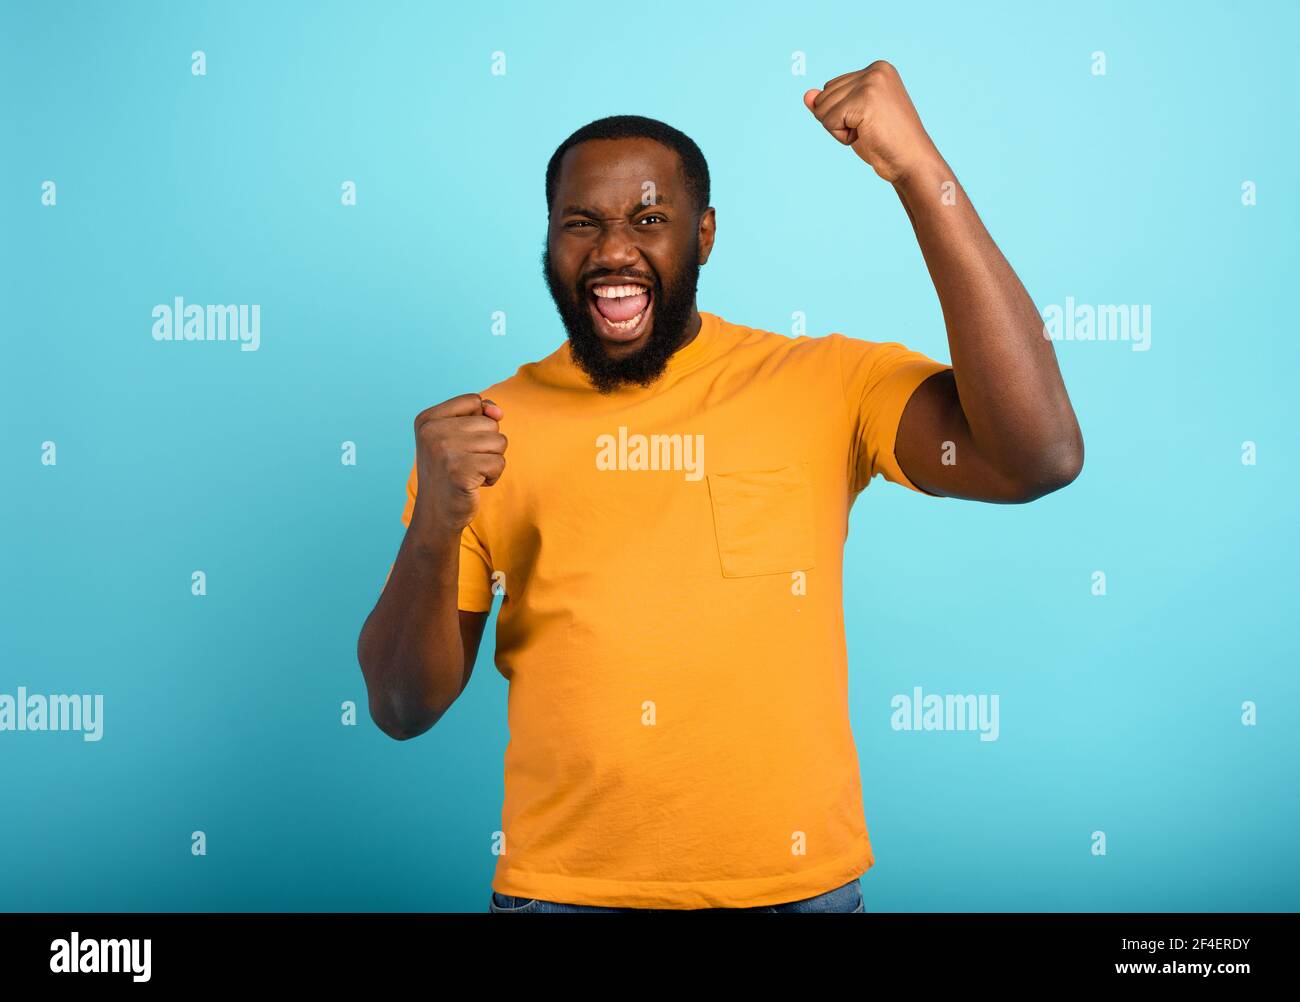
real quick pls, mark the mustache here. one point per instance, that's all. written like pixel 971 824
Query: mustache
pixel 584 283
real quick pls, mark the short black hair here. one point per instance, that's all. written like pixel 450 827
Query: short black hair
pixel 695 168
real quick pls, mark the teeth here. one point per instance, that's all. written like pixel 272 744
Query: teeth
pixel 620 292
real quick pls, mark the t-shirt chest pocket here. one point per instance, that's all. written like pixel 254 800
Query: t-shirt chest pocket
pixel 763 520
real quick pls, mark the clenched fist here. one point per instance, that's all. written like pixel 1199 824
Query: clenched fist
pixel 458 449
pixel 869 110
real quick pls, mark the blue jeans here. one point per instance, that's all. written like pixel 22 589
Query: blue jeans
pixel 846 898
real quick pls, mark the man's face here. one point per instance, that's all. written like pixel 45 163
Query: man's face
pixel 622 221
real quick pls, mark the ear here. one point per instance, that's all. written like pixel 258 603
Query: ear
pixel 708 229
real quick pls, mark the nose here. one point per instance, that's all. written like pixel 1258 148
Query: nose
pixel 615 248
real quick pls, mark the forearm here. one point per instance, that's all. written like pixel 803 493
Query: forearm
pixel 410 649
pixel 1008 382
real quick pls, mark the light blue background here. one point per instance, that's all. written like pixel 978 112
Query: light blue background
pixel 1118 713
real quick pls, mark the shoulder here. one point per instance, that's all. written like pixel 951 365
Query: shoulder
pixel 768 348
pixel 530 379
pixel 798 340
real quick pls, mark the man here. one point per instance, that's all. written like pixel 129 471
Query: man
pixel 668 539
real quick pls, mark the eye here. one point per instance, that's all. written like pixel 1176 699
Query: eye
pixel 577 222
pixel 653 215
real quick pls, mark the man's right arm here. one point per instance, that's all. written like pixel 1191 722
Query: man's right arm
pixel 417 649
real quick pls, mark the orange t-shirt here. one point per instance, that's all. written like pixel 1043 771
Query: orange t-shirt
pixel 671 623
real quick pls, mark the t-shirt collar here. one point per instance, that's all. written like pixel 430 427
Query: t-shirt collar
pixel 698 348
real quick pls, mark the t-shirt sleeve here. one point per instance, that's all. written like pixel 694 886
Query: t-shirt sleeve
pixel 879 378
pixel 475 586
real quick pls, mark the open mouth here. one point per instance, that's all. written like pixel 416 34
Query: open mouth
pixel 621 312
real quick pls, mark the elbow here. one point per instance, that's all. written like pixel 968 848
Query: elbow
pixel 399 725
pixel 390 724
pixel 390 710
pixel 395 715
pixel 402 715
pixel 1056 467
pixel 384 715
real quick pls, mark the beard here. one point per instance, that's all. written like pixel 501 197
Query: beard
pixel 673 307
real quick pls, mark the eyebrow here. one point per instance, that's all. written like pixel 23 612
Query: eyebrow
pixel 582 210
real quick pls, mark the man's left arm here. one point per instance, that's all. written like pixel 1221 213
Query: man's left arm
pixel 999 425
